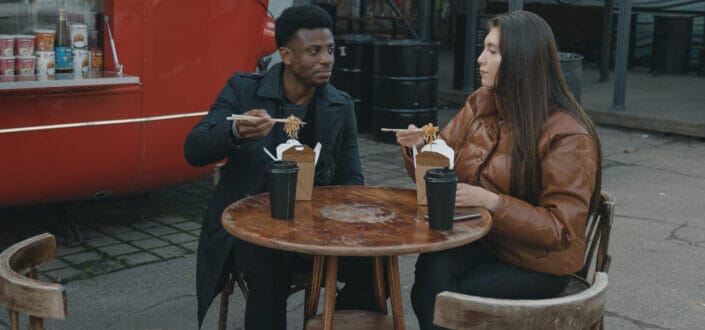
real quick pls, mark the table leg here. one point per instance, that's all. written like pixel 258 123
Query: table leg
pixel 380 285
pixel 314 291
pixel 331 281
pixel 395 293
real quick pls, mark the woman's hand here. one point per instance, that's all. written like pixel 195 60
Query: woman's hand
pixel 410 137
pixel 469 195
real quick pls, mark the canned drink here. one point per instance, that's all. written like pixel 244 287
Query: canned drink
pixel 97 60
pixel 79 35
pixel 7 45
pixel 7 66
pixel 24 65
pixel 45 63
pixel 81 61
pixel 45 39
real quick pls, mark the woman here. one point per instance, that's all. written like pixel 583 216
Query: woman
pixel 529 154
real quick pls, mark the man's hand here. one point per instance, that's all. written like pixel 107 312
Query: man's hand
pixel 469 195
pixel 410 137
pixel 255 128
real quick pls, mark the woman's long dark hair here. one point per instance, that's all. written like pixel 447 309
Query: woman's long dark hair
pixel 529 88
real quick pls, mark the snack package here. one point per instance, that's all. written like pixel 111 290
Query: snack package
pixel 433 155
pixel 306 159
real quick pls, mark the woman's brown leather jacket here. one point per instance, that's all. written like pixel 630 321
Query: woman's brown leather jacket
pixel 548 237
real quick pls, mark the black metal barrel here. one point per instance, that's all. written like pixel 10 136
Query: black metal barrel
pixel 672 42
pixel 352 73
pixel 572 69
pixel 405 77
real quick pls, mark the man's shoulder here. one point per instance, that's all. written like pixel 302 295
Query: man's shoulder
pixel 337 95
pixel 241 79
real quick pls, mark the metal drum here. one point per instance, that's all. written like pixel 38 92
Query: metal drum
pixel 405 85
pixel 672 41
pixel 572 69
pixel 352 73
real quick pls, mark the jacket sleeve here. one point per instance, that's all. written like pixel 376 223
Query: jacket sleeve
pixel 212 139
pixel 452 134
pixel 568 173
pixel 349 171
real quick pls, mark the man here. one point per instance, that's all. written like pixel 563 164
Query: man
pixel 299 86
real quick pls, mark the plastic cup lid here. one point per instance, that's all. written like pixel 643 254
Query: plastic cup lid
pixel 283 165
pixel 444 174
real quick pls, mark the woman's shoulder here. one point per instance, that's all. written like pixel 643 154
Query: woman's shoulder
pixel 561 123
pixel 481 102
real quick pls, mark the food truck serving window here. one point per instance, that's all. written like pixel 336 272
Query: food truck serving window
pixel 54 43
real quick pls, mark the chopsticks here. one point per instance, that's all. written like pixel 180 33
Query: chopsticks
pixel 245 117
pixel 396 129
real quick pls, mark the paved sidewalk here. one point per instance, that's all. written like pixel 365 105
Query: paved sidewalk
pixel 136 267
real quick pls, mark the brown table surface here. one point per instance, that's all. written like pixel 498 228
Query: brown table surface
pixel 350 221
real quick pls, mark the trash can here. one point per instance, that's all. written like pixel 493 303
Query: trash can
pixel 405 80
pixel 671 44
pixel 572 69
pixel 352 73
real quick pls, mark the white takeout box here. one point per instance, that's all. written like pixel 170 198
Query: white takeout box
pixel 433 155
pixel 306 159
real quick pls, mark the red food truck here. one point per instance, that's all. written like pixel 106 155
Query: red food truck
pixel 72 136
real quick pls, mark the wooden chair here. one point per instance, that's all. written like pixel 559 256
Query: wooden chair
pixel 20 291
pixel 597 260
pixel 580 311
pixel 300 281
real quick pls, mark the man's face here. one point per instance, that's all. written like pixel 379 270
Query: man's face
pixel 309 56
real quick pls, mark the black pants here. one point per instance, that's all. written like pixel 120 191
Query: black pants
pixel 268 273
pixel 472 269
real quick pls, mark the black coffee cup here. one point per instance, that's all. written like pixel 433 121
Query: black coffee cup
pixel 282 176
pixel 440 194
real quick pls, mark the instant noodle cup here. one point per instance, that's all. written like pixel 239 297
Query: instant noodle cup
pixel 45 39
pixel 81 61
pixel 45 63
pixel 24 65
pixel 7 66
pixel 79 35
pixel 24 45
pixel 7 45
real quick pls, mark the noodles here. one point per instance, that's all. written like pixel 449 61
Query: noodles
pixel 292 126
pixel 430 132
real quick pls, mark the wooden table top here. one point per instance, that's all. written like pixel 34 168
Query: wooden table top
pixel 350 221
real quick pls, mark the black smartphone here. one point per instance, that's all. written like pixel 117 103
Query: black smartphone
pixel 462 214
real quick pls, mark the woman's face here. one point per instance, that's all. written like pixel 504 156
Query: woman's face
pixel 490 58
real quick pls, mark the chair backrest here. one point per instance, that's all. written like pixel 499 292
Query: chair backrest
pixel 599 225
pixel 21 292
pixel 578 311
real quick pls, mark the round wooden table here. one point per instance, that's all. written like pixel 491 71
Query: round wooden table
pixel 377 222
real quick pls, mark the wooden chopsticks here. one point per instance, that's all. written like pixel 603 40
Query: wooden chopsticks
pixel 245 117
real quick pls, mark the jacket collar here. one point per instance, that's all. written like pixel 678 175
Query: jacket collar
pixel 271 87
pixel 484 103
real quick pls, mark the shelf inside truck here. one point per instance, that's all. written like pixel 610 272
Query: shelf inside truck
pixel 64 80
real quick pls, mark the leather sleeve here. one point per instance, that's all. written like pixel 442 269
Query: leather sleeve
pixel 452 134
pixel 568 180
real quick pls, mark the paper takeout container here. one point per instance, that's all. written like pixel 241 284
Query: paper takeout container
pixel 306 159
pixel 433 155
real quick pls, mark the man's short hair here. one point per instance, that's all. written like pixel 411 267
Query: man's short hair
pixel 300 17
